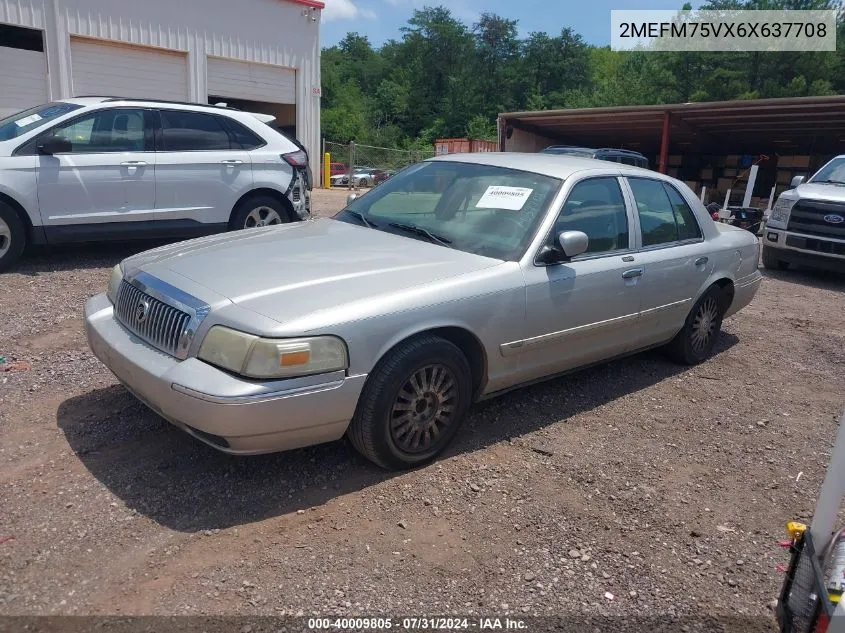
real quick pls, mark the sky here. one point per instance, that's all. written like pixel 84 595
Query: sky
pixel 380 20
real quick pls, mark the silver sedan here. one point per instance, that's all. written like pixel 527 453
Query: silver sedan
pixel 458 279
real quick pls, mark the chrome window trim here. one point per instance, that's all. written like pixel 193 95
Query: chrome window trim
pixel 547 236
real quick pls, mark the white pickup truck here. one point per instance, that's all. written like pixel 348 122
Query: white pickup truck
pixel 807 224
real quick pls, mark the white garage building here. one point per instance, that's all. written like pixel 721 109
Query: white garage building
pixel 257 55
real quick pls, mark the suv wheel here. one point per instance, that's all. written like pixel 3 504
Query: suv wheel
pixel 696 340
pixel 257 211
pixel 12 236
pixel 413 403
pixel 771 261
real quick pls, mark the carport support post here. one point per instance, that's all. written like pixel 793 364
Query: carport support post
pixel 664 144
pixel 749 189
pixel 703 192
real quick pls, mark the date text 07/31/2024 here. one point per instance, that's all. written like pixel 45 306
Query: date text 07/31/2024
pixel 417 623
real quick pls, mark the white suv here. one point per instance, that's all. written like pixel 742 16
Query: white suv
pixel 96 168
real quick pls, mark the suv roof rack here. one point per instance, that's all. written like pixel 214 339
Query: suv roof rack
pixel 621 151
pixel 185 103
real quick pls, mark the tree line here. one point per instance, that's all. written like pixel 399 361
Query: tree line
pixel 443 78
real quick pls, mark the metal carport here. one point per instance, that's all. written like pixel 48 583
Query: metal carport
pixel 795 125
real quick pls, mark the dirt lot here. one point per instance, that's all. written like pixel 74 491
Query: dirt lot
pixel 667 487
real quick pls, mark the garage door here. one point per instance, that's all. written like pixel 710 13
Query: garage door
pixel 118 70
pixel 254 82
pixel 24 79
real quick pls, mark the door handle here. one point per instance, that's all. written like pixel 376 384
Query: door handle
pixel 631 274
pixel 701 261
pixel 233 161
pixel 133 163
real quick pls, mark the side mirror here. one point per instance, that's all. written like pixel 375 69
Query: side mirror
pixel 798 180
pixel 54 145
pixel 573 243
pixel 351 197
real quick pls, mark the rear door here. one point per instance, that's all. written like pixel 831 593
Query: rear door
pixel 202 171
pixel 673 257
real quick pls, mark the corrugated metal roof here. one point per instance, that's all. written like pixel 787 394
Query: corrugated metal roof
pixel 806 123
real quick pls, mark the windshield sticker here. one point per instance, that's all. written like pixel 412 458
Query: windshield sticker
pixel 510 198
pixel 32 118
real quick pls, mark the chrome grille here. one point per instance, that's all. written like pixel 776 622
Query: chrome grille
pixel 154 321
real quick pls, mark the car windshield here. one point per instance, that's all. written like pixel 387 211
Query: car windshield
pixel 22 122
pixel 480 209
pixel 833 172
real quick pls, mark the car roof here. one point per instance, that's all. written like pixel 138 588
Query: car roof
pixel 555 165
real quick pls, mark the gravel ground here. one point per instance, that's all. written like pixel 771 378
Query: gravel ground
pixel 634 488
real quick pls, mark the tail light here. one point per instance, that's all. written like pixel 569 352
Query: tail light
pixel 296 159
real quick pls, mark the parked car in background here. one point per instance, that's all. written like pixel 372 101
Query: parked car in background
pixel 98 168
pixel 383 174
pixel 338 169
pixel 807 224
pixel 454 281
pixel 624 156
pixel 361 177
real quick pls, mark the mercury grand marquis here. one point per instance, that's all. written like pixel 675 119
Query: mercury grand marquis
pixel 456 280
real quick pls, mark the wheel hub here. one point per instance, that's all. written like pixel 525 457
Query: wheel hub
pixel 423 408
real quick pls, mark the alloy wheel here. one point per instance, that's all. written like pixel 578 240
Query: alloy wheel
pixel 704 324
pixel 5 237
pixel 423 409
pixel 262 216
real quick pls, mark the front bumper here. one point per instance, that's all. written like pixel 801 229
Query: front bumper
pixel 234 415
pixel 808 250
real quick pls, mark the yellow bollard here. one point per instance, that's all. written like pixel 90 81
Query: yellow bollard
pixel 327 171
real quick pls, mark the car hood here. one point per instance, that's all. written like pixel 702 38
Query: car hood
pixel 287 272
pixel 822 191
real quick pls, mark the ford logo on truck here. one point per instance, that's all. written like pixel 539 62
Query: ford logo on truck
pixel 834 219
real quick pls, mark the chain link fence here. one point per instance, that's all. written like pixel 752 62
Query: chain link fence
pixel 357 166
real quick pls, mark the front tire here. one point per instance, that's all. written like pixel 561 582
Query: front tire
pixel 364 183
pixel 696 340
pixel 12 236
pixel 771 261
pixel 257 211
pixel 413 403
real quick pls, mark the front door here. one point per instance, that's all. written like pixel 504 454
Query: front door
pixel 200 172
pixel 108 176
pixel 584 310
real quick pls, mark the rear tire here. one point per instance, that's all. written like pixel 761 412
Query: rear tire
pixel 258 210
pixel 695 342
pixel 12 236
pixel 413 403
pixel 364 183
pixel 771 261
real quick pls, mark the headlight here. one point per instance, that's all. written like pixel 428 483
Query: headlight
pixel 257 357
pixel 114 282
pixel 782 209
